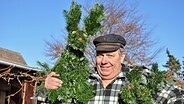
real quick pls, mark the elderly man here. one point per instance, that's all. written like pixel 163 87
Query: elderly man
pixel 109 74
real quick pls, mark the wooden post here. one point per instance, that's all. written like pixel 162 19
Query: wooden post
pixel 24 93
pixel 2 97
pixel 4 87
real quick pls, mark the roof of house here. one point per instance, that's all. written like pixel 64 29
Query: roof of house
pixel 12 58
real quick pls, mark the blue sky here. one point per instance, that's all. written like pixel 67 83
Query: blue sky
pixel 25 25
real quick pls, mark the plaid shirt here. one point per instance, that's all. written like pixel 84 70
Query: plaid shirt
pixel 110 94
pixel 167 94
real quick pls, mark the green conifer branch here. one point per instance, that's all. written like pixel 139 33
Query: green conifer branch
pixel 73 66
pixel 141 89
pixel 173 64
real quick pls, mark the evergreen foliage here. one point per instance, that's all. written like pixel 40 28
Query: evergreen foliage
pixel 72 66
pixel 173 64
pixel 143 85
pixel 156 79
pixel 174 74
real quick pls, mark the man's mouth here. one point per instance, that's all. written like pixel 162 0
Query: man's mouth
pixel 105 67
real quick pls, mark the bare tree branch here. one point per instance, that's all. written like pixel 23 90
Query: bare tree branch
pixel 120 19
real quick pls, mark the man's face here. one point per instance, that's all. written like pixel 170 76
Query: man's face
pixel 109 64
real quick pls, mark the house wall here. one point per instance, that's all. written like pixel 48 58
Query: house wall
pixel 27 93
pixel 22 97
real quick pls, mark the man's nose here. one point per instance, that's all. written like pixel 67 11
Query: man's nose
pixel 104 59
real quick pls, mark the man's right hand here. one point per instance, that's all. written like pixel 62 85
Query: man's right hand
pixel 51 82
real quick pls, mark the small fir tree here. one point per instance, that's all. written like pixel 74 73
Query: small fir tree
pixel 174 67
pixel 72 66
pixel 174 73
pixel 173 64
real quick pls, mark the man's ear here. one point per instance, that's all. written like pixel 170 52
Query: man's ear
pixel 122 57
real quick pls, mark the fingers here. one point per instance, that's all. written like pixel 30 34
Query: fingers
pixel 51 82
pixel 53 74
pixel 54 84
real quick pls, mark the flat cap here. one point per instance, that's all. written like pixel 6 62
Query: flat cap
pixel 109 42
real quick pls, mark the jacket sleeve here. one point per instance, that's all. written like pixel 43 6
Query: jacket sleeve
pixel 169 94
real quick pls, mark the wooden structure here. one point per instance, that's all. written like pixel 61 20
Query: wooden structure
pixel 17 85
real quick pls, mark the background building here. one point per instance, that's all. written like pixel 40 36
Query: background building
pixel 17 84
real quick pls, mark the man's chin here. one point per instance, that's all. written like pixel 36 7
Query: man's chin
pixel 106 77
pixel 105 73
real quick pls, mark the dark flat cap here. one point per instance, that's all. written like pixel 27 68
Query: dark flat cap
pixel 109 42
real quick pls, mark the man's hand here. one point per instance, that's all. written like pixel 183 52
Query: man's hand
pixel 51 82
